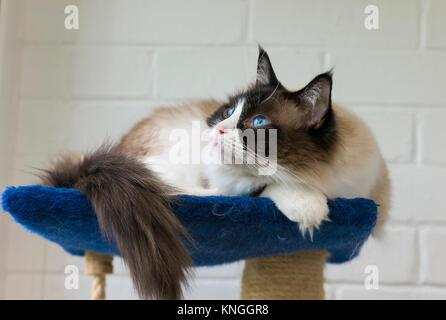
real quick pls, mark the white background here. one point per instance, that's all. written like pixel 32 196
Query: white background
pixel 68 90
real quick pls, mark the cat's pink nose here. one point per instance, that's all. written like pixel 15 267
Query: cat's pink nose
pixel 221 129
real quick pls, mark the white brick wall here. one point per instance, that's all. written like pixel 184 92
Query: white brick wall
pixel 78 88
pixel 10 63
pixel 140 21
pixel 435 38
pixel 431 268
pixel 433 129
pixel 338 23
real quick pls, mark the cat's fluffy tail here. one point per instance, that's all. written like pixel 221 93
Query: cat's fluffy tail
pixel 132 207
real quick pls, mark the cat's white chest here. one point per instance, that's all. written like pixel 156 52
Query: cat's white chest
pixel 232 180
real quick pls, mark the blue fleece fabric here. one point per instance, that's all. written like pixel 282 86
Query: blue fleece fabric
pixel 225 229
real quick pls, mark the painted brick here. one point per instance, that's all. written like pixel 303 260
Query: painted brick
pixel 6 163
pixel 335 23
pixel 393 253
pixel 43 21
pixel 418 193
pixel 231 270
pixel 431 293
pixel 120 288
pixel 44 72
pixel 22 286
pixel 89 71
pixel 42 127
pixel 140 21
pixel 25 250
pixel 330 293
pixel 433 131
pixel 349 292
pixel 54 287
pixel 389 78
pixel 436 25
pixel 66 127
pixel 393 129
pixel 117 118
pixel 213 290
pixel 433 257
pixel 4 234
pixel 57 259
pixel 110 72
pixel 201 73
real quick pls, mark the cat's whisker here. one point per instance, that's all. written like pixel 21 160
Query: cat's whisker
pixel 278 175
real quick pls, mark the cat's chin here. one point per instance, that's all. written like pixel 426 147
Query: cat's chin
pixel 215 153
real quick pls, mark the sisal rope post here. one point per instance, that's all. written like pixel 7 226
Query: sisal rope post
pixel 98 265
pixel 296 276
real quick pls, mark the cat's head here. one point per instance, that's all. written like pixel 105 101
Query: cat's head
pixel 299 126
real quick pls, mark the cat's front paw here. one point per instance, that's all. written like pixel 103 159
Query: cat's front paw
pixel 308 212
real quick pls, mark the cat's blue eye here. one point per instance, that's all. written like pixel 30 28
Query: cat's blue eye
pixel 259 121
pixel 230 111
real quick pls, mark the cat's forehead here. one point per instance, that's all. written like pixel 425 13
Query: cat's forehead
pixel 268 101
pixel 253 97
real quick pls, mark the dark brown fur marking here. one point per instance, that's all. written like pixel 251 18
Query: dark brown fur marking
pixel 132 207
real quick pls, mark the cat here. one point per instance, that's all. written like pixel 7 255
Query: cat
pixel 312 150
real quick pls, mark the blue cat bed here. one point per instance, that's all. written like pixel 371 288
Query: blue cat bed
pixel 225 229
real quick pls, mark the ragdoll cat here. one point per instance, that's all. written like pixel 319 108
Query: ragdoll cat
pixel 305 150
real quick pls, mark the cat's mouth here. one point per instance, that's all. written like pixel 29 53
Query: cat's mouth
pixel 225 142
pixel 225 146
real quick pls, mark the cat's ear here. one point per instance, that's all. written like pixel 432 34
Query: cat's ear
pixel 265 72
pixel 315 100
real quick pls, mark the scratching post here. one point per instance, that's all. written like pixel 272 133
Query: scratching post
pixel 98 265
pixel 296 276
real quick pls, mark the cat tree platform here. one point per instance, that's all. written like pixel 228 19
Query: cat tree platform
pixel 280 262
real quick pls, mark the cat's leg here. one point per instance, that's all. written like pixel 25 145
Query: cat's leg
pixel 299 203
pixel 203 192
